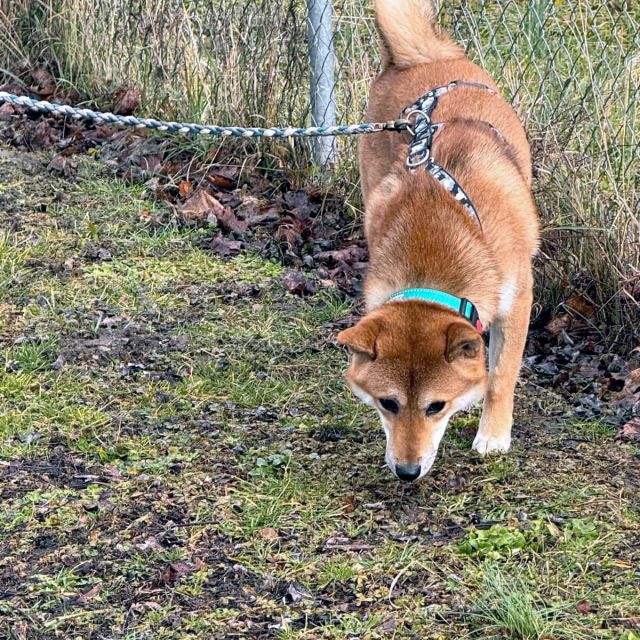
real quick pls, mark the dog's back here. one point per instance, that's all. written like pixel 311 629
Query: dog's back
pixel 417 57
pixel 483 145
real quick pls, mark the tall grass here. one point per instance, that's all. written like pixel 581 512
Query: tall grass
pixel 571 69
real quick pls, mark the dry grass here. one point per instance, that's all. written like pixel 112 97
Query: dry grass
pixel 571 69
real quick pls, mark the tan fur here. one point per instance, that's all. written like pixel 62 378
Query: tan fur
pixel 409 34
pixel 419 236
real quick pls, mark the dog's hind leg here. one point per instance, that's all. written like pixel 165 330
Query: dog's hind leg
pixel 507 339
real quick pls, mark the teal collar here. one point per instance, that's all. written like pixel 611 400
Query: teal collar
pixel 460 305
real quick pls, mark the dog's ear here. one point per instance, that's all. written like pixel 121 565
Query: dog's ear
pixel 362 337
pixel 463 341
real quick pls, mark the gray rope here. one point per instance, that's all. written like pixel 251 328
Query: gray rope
pixel 77 113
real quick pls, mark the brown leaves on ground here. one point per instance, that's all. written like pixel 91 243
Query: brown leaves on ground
pixel 43 83
pixel 63 166
pixel 296 283
pixel 225 247
pixel 584 606
pixel 629 396
pixel 308 230
pixel 580 310
pixel 90 594
pixel 126 101
pixel 313 235
pixel 176 570
pixel 629 401
pixel 200 208
pixel 630 432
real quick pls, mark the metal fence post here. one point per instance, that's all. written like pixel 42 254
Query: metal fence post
pixel 322 61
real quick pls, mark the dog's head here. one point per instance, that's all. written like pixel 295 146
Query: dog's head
pixel 416 364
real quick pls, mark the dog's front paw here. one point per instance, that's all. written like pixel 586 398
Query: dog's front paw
pixel 491 444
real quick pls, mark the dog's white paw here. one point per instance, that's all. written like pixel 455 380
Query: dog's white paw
pixel 484 445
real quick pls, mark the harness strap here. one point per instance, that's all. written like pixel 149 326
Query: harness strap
pixel 424 130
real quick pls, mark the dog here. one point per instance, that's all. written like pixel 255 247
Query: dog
pixel 451 239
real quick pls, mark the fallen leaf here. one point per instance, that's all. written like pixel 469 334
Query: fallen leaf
pixel 225 247
pixel 126 100
pixel 63 166
pixel 150 543
pixel 630 432
pixel 582 305
pixel 201 207
pixel 559 324
pixel 268 533
pixel 142 607
pixel 229 222
pixel 297 284
pixel 631 385
pixel 146 216
pixel 349 255
pixel 226 182
pixel 300 205
pixel 44 83
pixel 349 504
pixel 386 627
pixel 91 594
pixel 584 606
pixel 175 570
pixel 41 136
pixel 186 188
pixel 7 109
pixel 150 163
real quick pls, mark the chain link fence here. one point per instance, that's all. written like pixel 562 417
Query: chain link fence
pixel 564 65
pixel 570 68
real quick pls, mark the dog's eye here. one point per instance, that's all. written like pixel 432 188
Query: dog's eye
pixel 390 405
pixel 435 408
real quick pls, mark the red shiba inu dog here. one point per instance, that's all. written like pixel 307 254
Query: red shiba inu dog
pixel 451 227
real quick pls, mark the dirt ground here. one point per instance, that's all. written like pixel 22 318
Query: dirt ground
pixel 179 456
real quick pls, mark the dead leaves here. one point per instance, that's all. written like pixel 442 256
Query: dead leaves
pixel 297 284
pixel 201 208
pixel 630 432
pixel 268 534
pixel 90 594
pixel 176 570
pixel 225 247
pixel 628 401
pixel 43 83
pixel 126 101
pixel 63 166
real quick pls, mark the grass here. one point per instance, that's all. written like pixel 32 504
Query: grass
pixel 508 608
pixel 180 461
pixel 571 70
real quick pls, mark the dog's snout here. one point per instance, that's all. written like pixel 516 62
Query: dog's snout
pixel 407 472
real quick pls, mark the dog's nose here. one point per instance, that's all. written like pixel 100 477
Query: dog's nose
pixel 408 472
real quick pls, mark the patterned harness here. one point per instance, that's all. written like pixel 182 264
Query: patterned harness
pixel 423 130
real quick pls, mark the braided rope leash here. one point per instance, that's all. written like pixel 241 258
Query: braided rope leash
pixel 99 117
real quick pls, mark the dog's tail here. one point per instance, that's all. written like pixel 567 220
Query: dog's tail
pixel 410 34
